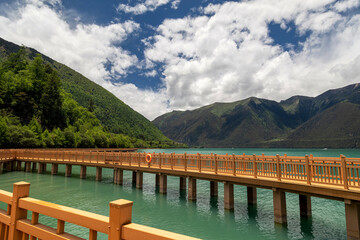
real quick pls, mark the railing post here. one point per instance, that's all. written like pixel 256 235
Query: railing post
pixel 20 190
pixel 216 164
pixel 308 170
pixel 234 166
pixel 255 166
pixel 185 162
pixel 344 171
pixel 172 161
pixel 199 161
pixel 120 214
pixel 278 167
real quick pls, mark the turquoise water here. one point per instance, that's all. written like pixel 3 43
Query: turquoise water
pixel 204 218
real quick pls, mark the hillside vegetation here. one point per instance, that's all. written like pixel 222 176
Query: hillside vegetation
pixel 36 111
pixel 113 114
pixel 328 120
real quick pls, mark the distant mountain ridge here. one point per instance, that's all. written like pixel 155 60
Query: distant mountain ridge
pixel 328 120
pixel 113 114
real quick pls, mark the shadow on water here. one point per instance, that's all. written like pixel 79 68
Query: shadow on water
pixel 306 225
pixel 252 212
pixel 182 195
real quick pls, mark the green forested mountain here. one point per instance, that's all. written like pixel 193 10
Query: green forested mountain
pixel 328 120
pixel 113 114
pixel 46 104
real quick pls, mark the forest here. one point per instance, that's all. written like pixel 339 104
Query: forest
pixel 36 112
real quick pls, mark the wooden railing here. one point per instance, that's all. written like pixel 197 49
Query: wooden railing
pixel 340 171
pixel 15 225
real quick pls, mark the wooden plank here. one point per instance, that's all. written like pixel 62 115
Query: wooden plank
pixel 85 219
pixel 135 231
pixel 5 196
pixel 43 232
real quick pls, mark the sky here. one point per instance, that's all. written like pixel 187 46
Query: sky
pixel 163 55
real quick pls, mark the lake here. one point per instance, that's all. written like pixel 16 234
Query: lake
pixel 204 218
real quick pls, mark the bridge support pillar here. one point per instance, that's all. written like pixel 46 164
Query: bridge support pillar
pixel 139 179
pixel 18 165
pixel 1 167
pixel 34 167
pixel 83 172
pixel 228 195
pixel 305 205
pixel 42 168
pixel 99 173
pixel 279 201
pixel 192 188
pixel 182 183
pixel 68 170
pixel 133 177
pixel 352 215
pixel 9 166
pixel 251 195
pixel 163 183
pixel 157 180
pixel 214 189
pixel 27 166
pixel 54 169
pixel 118 176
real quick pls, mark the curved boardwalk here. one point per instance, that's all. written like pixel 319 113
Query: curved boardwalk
pixel 333 178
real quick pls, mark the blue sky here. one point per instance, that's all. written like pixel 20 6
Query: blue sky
pixel 164 55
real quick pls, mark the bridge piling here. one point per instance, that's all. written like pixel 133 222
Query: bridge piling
pixel 1 167
pixel 82 172
pixel 68 170
pixel 352 215
pixel 228 195
pixel 182 183
pixel 18 165
pixel 139 179
pixel 98 173
pixel 33 169
pixel 157 180
pixel 163 183
pixel 54 169
pixel 305 205
pixel 191 188
pixel 213 189
pixel 134 177
pixel 251 195
pixel 42 168
pixel 279 202
pixel 27 166
pixel 118 176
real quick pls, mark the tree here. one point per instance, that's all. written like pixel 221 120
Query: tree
pixel 51 102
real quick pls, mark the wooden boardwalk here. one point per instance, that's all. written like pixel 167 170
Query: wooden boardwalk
pixel 333 178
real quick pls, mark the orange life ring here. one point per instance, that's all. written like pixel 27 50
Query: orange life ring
pixel 148 158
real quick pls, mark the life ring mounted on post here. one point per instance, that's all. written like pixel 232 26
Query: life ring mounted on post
pixel 148 158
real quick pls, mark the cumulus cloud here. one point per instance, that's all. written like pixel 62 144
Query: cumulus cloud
pixel 87 48
pixel 147 6
pixel 227 54
pixel 92 50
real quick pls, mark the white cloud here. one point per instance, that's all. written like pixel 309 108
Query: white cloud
pixel 344 5
pixel 89 49
pixel 227 55
pixel 85 48
pixel 147 6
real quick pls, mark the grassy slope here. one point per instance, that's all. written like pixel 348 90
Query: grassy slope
pixel 113 114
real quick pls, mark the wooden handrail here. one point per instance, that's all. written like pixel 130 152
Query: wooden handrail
pixel 85 219
pixel 330 171
pixel 118 225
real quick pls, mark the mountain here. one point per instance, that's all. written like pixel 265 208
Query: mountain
pixel 114 115
pixel 328 120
